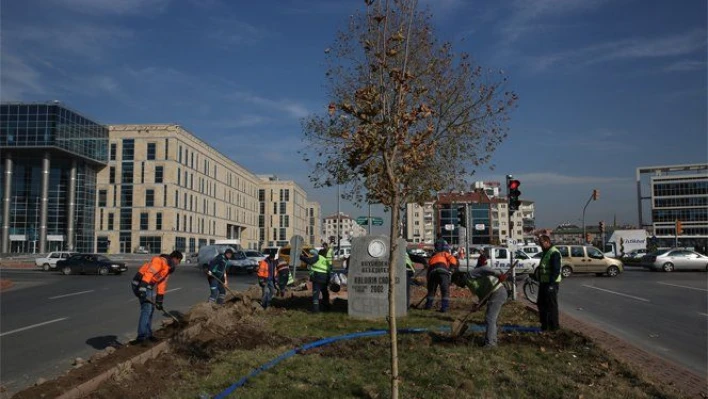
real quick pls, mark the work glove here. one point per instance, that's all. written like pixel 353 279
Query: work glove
pixel 159 307
pixel 209 273
pixel 142 294
pixel 503 277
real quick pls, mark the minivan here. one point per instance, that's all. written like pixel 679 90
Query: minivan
pixel 587 259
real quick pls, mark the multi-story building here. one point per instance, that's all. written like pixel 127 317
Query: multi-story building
pixel 419 223
pixel 523 221
pixel 285 212
pixel 50 158
pixel 678 193
pixel 343 225
pixel 164 188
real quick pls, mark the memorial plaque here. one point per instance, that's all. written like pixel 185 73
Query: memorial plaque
pixel 367 284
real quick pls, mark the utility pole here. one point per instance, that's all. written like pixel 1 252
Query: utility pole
pixel 511 229
pixel 595 195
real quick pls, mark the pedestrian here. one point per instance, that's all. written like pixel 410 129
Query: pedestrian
pixel 483 280
pixel 283 276
pixel 319 275
pixel 439 272
pixel 217 278
pixel 549 270
pixel 266 279
pixel 440 242
pixel 149 285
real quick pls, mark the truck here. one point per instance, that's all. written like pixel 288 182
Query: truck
pixel 622 242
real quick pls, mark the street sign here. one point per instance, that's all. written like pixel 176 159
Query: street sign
pixel 449 227
pixel 512 241
pixel 362 221
pixel 479 227
pixel 376 221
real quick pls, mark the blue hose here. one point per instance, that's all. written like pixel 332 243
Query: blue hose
pixel 326 341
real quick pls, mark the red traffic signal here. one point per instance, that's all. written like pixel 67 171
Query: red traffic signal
pixel 679 228
pixel 514 193
pixel 595 194
pixel 514 184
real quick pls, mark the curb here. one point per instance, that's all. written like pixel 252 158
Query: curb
pixel 659 369
pixel 94 383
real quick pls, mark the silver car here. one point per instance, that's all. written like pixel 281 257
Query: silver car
pixel 675 259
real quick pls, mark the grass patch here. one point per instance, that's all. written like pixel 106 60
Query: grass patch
pixel 525 365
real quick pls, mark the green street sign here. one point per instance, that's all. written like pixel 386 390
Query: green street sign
pixel 376 221
pixel 362 221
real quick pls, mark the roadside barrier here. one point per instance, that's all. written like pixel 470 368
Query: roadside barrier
pixel 364 334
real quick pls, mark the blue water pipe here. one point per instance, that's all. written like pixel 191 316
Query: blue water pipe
pixel 364 334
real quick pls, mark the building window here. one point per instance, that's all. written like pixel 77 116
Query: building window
pixel 142 172
pixel 100 220
pixel 149 197
pixel 110 221
pixel 113 151
pixel 284 220
pixel 167 148
pixel 112 175
pixel 158 221
pixel 283 208
pixel 102 197
pixel 158 174
pixel 177 222
pixel 261 195
pixel 179 154
pixel 275 210
pixel 283 235
pixel 144 221
pixel 128 149
pixel 181 244
pixel 151 151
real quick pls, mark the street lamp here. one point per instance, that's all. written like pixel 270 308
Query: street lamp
pixel 593 197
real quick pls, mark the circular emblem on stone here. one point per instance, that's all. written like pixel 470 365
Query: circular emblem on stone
pixel 377 248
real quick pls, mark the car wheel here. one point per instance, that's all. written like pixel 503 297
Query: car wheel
pixel 668 267
pixel 613 271
pixel 45 267
pixel 103 271
pixel 566 271
pixel 66 270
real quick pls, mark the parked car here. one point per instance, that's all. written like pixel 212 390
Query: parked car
pixel 675 259
pixel 49 262
pixel 141 250
pixel 587 259
pixel 90 264
pixel 191 258
pixel 255 255
pixel 238 262
pixel 635 253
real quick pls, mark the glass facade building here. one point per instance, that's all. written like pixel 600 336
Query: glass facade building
pixel 49 159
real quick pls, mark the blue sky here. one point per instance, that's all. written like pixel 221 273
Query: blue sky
pixel 605 86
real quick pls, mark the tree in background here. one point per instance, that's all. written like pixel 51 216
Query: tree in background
pixel 407 117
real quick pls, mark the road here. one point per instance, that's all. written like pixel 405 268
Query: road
pixel 48 319
pixel 662 313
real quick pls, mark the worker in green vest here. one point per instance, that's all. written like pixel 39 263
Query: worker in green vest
pixel 549 277
pixel 320 271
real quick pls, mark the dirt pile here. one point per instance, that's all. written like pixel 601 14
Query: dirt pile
pixel 202 332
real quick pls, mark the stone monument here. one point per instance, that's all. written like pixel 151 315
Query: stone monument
pixel 367 279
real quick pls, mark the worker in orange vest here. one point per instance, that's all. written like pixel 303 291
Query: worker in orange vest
pixel 266 279
pixel 282 276
pixel 149 285
pixel 439 272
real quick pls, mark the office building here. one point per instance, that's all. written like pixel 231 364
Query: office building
pixel 49 158
pixel 164 189
pixel 285 212
pixel 341 225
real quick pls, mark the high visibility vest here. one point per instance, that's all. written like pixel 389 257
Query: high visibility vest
pixel 330 256
pixel 155 274
pixel 482 286
pixel 545 268
pixel 409 263
pixel 320 266
pixel 442 259
pixel 282 268
pixel 265 270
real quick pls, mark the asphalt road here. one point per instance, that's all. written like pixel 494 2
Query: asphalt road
pixel 662 313
pixel 48 319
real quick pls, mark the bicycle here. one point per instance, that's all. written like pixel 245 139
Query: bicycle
pixel 531 286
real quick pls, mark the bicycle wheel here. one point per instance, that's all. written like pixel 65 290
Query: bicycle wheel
pixel 531 290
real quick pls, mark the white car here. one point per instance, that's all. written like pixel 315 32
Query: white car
pixel 49 262
pixel 255 255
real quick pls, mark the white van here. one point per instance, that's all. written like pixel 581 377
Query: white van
pixel 342 253
pixel 531 250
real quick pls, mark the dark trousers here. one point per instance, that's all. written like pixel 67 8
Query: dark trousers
pixel 548 306
pixel 438 278
pixel 319 285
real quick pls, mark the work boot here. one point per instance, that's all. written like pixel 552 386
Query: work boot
pixel 315 308
pixel 445 305
pixel 428 304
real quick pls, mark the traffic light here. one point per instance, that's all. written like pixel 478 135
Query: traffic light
pixel 595 195
pixel 679 228
pixel 462 216
pixel 514 193
pixel 602 227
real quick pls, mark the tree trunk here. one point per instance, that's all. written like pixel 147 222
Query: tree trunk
pixel 393 258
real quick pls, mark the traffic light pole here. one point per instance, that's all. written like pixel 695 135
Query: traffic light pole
pixel 593 196
pixel 467 236
pixel 511 229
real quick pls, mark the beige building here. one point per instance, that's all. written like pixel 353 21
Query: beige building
pixel 348 227
pixel 285 212
pixel 166 189
pixel 420 223
pixel 522 220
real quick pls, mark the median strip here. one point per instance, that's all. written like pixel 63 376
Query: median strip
pixel 683 286
pixel 618 293
pixel 32 326
pixel 72 294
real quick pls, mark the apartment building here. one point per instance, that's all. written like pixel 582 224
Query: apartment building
pixel 343 225
pixel 164 189
pixel 419 223
pixel 285 212
pixel 523 221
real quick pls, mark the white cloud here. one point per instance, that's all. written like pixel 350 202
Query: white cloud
pixel 685 66
pixel 554 178
pixel 18 78
pixel 233 32
pixel 115 7
pixel 292 108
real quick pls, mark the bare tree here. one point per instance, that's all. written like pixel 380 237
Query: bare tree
pixel 408 117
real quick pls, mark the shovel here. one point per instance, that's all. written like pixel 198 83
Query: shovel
pixel 222 284
pixel 164 311
pixel 459 327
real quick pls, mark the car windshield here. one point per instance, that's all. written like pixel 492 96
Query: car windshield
pixel 521 255
pixel 102 258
